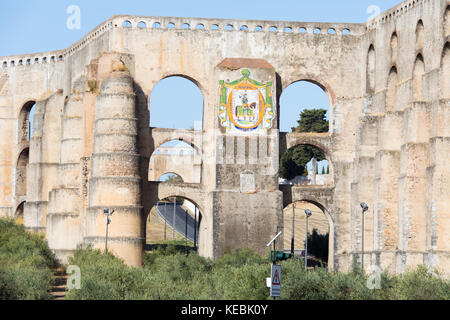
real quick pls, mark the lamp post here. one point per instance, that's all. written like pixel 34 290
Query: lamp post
pixel 293 229
pixel 108 221
pixel 173 222
pixel 364 209
pixel 308 214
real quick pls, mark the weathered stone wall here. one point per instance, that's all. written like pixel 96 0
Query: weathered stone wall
pixel 389 138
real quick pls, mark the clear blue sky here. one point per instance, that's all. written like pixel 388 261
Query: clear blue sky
pixel 28 26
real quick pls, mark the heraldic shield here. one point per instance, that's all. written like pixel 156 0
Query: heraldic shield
pixel 246 105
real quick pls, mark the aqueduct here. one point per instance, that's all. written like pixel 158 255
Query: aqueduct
pixel 389 140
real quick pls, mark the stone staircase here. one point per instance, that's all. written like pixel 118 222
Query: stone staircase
pixel 59 289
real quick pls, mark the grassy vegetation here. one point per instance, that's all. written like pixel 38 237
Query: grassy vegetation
pixel 169 274
pixel 25 264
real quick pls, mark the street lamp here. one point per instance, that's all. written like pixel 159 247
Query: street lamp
pixel 108 221
pixel 308 214
pixel 293 229
pixel 364 209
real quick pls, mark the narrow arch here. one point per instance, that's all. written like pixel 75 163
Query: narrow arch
pixel 391 92
pixel 447 21
pixel 26 123
pixel 419 71
pixel 18 216
pixel 445 71
pixel 420 35
pixel 21 173
pixel 371 67
pixel 394 47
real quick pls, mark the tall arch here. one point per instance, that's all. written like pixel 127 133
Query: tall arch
pixel 447 21
pixel 177 102
pixel 418 72
pixel 371 67
pixel 21 173
pixel 300 95
pixel 317 208
pixel 445 72
pixel 18 216
pixel 391 92
pixel 26 121
pixel 394 47
pixel 420 35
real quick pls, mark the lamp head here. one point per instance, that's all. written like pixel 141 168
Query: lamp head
pixel 364 207
pixel 308 213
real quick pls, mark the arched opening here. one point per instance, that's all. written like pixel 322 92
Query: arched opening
pixel 19 213
pixel 305 165
pixel 371 70
pixel 171 177
pixel 391 91
pixel 420 35
pixel 21 174
pixel 178 157
pixel 447 21
pixel 127 24
pixel 445 72
pixel 176 102
pixel 394 48
pixel 346 32
pixel 419 71
pixel 26 123
pixel 299 97
pixel 318 229
pixel 142 25
pixel 174 219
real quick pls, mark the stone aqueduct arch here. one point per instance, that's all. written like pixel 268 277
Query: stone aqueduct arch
pixel 92 141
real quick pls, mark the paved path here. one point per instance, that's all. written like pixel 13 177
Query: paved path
pixel 165 211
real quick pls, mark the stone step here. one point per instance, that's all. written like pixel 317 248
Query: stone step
pixel 59 288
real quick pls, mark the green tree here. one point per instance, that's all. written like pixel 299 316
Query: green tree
pixel 313 120
pixel 318 245
pixel 293 162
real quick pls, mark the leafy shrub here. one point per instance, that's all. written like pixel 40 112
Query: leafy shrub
pixel 25 264
pixel 172 275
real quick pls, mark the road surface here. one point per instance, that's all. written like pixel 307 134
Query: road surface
pixel 165 211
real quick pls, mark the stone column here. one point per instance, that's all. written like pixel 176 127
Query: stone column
pixel 115 182
pixel 387 163
pixel 63 220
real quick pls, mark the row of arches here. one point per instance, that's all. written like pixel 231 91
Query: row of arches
pixel 30 61
pixel 417 90
pixel 231 27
